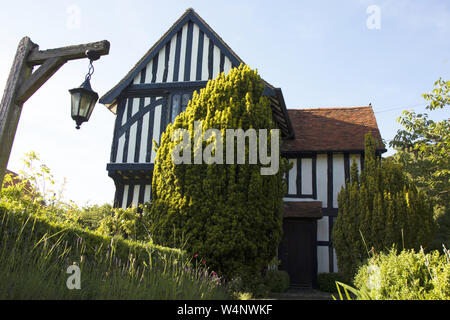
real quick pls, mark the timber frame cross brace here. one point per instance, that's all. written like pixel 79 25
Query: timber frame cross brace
pixel 22 83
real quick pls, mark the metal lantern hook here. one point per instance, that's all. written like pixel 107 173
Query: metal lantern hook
pixel 90 71
pixel 93 56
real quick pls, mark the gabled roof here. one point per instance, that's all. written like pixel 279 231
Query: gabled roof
pixel 332 129
pixel 275 95
pixel 190 15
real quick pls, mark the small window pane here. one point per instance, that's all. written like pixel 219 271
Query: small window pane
pixel 186 98
pixel 176 106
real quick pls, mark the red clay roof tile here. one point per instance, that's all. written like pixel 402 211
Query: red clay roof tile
pixel 332 129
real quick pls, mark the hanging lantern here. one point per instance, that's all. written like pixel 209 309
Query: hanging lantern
pixel 83 99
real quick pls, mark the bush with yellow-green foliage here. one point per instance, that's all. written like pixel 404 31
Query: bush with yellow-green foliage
pixel 126 223
pixel 377 209
pixel 229 214
pixel 408 275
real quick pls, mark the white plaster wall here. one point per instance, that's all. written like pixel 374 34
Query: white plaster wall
pixel 195 34
pixel 322 178
pixel 125 196
pixel 322 229
pixel 144 134
pixel 156 130
pixel 135 200
pixel 322 259
pixel 293 177
pixel 148 193
pixel 338 176
pixel 307 176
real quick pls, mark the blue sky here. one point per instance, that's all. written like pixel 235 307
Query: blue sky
pixel 321 53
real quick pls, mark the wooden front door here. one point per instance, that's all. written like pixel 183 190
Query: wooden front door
pixel 298 251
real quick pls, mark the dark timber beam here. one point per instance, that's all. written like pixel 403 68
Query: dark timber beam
pixel 22 83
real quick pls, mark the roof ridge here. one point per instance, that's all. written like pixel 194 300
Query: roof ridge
pixel 330 108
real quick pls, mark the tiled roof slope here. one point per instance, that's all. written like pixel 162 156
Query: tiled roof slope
pixel 332 129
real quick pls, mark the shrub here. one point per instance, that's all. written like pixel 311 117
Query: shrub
pixel 257 286
pixel 90 217
pixel 442 235
pixel 382 206
pixel 327 281
pixel 230 214
pixel 277 280
pixel 248 286
pixel 408 275
pixel 126 223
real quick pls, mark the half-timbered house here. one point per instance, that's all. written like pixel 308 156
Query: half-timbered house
pixel 319 142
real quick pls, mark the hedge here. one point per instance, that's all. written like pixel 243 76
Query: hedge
pixel 14 222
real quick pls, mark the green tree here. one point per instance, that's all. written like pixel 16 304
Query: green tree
pixel 229 215
pixel 377 209
pixel 423 151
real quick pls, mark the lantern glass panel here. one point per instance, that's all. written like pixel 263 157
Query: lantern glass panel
pixel 85 104
pixel 91 98
pixel 76 96
pixel 93 102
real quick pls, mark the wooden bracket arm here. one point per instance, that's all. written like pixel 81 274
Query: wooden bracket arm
pixel 38 78
pixel 68 53
pixel 51 60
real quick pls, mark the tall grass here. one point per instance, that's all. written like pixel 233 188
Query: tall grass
pixel 34 267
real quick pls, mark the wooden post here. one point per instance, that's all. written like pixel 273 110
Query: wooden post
pixel 9 109
pixel 22 83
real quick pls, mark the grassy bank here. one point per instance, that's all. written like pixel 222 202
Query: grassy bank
pixel 35 253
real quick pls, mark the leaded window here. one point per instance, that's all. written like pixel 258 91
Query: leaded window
pixel 179 103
